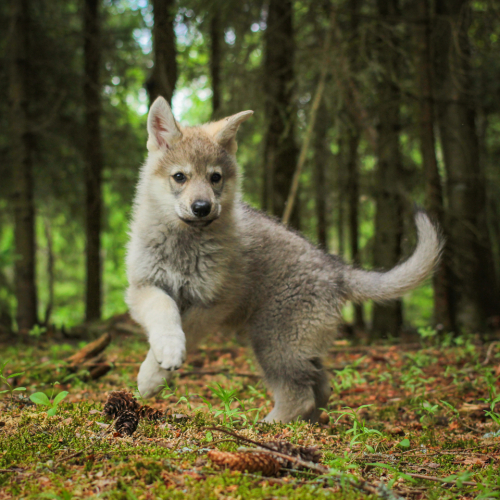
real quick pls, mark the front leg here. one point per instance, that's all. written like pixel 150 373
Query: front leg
pixel 157 312
pixel 152 377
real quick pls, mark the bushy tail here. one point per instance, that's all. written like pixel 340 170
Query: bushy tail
pixel 380 286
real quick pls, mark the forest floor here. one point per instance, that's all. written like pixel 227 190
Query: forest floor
pixel 408 421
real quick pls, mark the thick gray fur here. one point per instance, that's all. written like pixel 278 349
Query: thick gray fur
pixel 247 273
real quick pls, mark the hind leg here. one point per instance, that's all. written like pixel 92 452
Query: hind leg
pixel 322 393
pixel 291 403
pixel 300 388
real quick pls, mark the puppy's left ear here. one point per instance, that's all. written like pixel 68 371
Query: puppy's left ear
pixel 224 131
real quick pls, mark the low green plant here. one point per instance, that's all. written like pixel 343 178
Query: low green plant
pixel 360 433
pixel 421 358
pixel 412 379
pixel 5 380
pixel 429 411
pixel 40 398
pixel 492 401
pixel 348 377
pixel 227 398
pixel 459 479
pixel 450 409
pixel 427 333
pixel 37 331
pixel 167 392
pixel 396 474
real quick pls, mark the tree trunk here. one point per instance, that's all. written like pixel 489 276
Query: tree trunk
pixel 22 167
pixel 352 189
pixel 215 63
pixel 322 158
pixel 341 187
pixel 443 317
pixel 281 152
pixel 387 319
pixel 164 76
pixel 93 158
pixel 475 292
pixel 353 139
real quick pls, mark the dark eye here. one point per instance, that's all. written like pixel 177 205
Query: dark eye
pixel 215 178
pixel 179 177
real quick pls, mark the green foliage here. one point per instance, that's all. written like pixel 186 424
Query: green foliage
pixel 58 119
pixel 360 433
pixel 228 398
pixel 348 377
pixel 495 416
pixel 5 380
pixel 40 398
pixel 429 411
pixel 405 443
pixel 37 331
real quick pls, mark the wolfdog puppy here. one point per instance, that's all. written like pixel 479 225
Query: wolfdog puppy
pixel 201 261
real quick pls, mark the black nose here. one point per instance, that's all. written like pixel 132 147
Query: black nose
pixel 201 208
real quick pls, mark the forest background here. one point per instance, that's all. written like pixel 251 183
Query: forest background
pixel 387 102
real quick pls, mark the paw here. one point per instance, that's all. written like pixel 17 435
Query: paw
pixel 271 418
pixel 170 354
pixel 152 377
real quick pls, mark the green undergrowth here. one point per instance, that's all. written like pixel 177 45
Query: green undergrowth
pixel 419 423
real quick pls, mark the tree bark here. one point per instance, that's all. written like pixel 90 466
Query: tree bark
pixel 473 281
pixel 50 272
pixel 387 319
pixel 443 317
pixel 164 76
pixel 352 189
pixel 281 152
pixel 322 158
pixel 93 158
pixel 22 167
pixel 341 188
pixel 353 158
pixel 215 63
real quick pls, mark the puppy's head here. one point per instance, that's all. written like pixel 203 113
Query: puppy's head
pixel 192 174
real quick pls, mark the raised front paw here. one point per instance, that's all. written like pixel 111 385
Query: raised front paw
pixel 170 353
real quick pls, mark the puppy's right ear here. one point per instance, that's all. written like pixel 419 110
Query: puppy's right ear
pixel 162 128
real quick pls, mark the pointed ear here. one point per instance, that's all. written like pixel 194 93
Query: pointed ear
pixel 162 128
pixel 224 131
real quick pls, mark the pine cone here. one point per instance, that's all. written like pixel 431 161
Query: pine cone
pixel 127 422
pixel 118 402
pixel 149 413
pixel 246 461
pixel 309 453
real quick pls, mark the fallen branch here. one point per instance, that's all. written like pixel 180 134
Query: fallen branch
pixel 380 490
pixel 489 352
pixel 188 373
pixel 91 359
pixel 440 479
pixel 89 351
